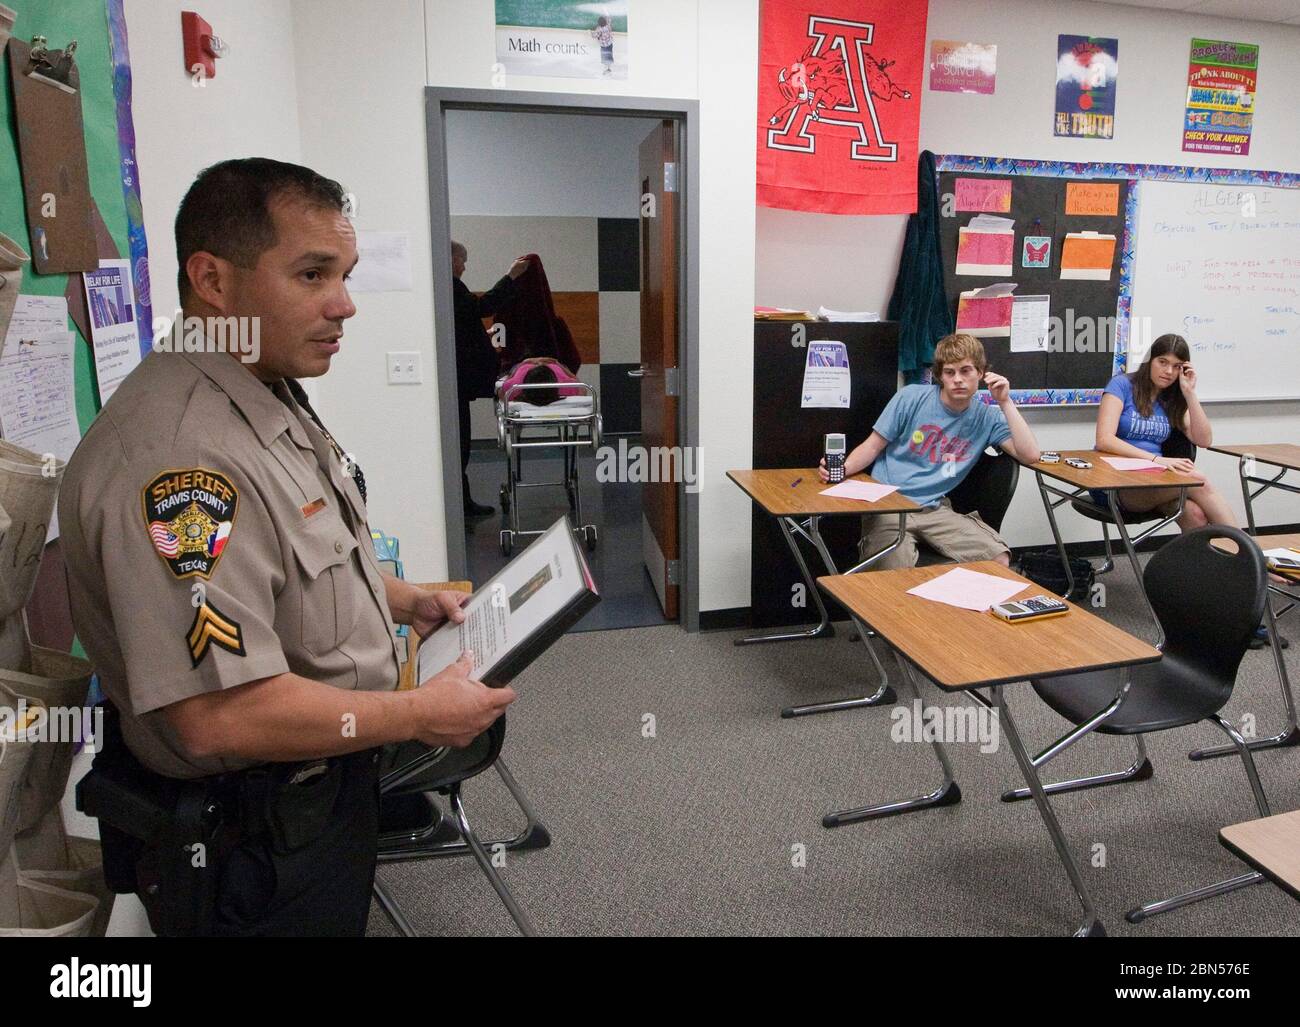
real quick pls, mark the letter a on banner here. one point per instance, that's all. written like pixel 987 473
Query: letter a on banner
pixel 839 104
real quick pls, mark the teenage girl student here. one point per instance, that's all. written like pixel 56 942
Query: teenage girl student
pixel 1138 412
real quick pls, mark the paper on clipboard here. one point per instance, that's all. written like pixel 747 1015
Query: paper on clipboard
pixel 532 592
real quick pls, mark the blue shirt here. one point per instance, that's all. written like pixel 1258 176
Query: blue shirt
pixel 1147 433
pixel 931 448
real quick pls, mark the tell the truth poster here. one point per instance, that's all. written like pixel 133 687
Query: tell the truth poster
pixel 1086 69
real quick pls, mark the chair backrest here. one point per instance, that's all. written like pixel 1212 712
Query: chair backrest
pixel 1209 601
pixel 455 766
pixel 987 488
pixel 1178 446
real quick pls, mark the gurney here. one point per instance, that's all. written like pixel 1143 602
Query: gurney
pixel 569 424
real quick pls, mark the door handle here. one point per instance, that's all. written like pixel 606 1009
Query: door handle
pixel 639 372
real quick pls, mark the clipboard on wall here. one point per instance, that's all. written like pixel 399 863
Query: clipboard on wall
pixel 52 155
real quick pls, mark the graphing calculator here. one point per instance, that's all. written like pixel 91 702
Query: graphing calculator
pixel 835 452
pixel 1033 608
pixel 1083 465
pixel 1050 457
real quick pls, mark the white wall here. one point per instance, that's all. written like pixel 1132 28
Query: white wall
pixel 857 257
pixel 557 165
pixel 362 113
pixel 249 109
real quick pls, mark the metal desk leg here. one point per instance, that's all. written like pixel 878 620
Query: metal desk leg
pixel 1245 494
pixel 1091 926
pixel 947 794
pixel 1112 497
pixel 884 694
pixel 823 627
pixel 1290 735
pixel 1056 532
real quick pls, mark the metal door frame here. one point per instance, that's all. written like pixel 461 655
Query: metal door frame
pixel 439 100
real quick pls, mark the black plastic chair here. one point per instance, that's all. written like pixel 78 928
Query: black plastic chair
pixel 1177 445
pixel 412 826
pixel 1209 602
pixel 986 490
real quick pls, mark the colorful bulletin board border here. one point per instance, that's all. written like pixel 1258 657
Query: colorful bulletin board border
pixel 1135 174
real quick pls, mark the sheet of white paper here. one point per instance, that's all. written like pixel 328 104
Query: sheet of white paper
pixel 1290 554
pixel 867 491
pixel 383 264
pixel 969 590
pixel 992 291
pixel 110 299
pixel 37 403
pixel 991 223
pixel 826 375
pixel 1029 316
pixel 1132 463
pixel 847 315
pixel 37 315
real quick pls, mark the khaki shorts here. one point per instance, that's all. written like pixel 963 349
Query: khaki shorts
pixel 960 537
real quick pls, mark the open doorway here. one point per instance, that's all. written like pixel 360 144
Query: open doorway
pixel 594 200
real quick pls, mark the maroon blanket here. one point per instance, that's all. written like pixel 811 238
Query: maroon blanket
pixel 533 329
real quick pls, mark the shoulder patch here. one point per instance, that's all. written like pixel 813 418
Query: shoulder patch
pixel 189 515
pixel 212 627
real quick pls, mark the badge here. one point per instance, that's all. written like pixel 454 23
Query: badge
pixel 212 627
pixel 189 516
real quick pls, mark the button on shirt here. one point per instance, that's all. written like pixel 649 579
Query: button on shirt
pixel 212 538
pixel 931 448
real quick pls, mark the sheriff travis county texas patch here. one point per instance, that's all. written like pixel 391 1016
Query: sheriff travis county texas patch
pixel 189 515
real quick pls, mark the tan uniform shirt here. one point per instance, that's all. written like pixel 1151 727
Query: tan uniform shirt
pixel 212 538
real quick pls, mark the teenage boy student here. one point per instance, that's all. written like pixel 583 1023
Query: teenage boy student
pixel 926 442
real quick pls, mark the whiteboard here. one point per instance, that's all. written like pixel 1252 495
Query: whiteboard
pixel 1220 266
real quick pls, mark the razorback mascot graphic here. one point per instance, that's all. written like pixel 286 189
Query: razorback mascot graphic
pixel 839 105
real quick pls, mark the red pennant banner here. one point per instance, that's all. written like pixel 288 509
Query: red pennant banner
pixel 839 104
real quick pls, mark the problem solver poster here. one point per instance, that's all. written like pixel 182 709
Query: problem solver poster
pixel 560 38
pixel 1220 97
pixel 1086 70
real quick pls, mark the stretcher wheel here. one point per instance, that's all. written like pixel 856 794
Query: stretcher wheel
pixel 589 532
pixel 507 544
pixel 504 496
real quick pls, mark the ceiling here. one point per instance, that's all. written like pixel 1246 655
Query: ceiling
pixel 1285 12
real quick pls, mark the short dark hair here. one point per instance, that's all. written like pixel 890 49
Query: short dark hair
pixel 227 211
pixel 539 397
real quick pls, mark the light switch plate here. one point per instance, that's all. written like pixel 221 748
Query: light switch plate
pixel 404 368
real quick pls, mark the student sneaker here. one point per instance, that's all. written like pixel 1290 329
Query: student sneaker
pixel 1260 639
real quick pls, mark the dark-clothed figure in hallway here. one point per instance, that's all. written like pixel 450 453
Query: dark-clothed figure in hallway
pixel 476 360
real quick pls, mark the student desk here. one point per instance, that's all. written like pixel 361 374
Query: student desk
pixel 962 650
pixel 1285 456
pixel 1271 845
pixel 799 510
pixel 1290 735
pixel 1104 478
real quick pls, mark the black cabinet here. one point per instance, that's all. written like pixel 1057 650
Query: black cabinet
pixel 786 435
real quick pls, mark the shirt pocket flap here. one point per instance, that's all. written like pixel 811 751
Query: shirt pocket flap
pixel 320 548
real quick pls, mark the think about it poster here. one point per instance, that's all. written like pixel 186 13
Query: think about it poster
pixel 1086 70
pixel 562 39
pixel 1220 97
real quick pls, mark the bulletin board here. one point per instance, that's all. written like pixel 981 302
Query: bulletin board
pixel 1076 370
pixel 1188 259
pixel 103 63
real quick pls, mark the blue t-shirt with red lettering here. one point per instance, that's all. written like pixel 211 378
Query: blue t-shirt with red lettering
pixel 931 448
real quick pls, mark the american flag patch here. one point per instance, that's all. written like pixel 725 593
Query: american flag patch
pixel 164 540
